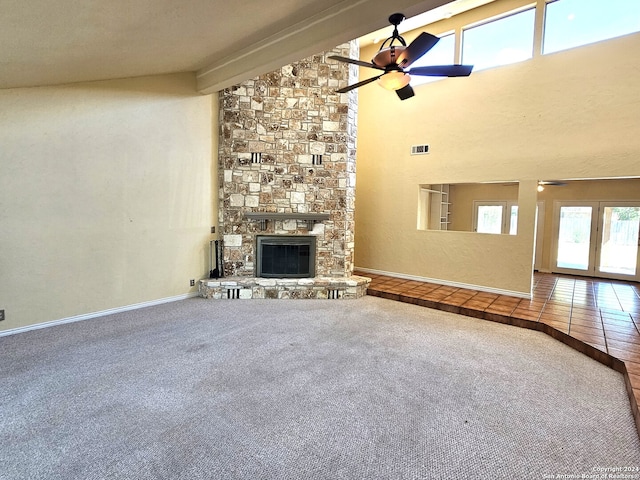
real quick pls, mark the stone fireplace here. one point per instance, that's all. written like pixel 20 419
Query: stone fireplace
pixel 286 158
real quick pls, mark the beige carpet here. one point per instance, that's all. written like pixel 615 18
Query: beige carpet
pixel 276 389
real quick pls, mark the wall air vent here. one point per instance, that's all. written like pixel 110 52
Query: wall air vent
pixel 419 149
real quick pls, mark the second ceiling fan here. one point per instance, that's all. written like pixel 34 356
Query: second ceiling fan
pixel 395 60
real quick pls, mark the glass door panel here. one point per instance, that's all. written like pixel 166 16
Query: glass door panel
pixel 489 219
pixel 513 221
pixel 618 240
pixel 489 216
pixel 574 237
pixel 537 263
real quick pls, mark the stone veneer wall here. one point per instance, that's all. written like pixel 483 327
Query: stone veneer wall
pixel 287 145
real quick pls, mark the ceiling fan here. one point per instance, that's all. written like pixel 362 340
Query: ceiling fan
pixel 394 59
pixel 555 183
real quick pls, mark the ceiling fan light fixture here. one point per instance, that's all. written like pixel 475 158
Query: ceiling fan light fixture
pixel 394 80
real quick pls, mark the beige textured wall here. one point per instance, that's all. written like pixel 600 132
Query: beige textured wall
pixel 573 114
pixel 105 195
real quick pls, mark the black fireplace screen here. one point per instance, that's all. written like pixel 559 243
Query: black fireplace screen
pixel 282 256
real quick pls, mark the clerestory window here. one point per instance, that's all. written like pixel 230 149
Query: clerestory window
pixel 502 41
pixel 571 23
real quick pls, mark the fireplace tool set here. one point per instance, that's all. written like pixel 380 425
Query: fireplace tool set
pixel 214 252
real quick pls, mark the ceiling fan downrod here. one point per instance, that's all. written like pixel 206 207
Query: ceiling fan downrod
pixel 395 20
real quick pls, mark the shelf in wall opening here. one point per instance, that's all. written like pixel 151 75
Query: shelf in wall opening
pixel 310 218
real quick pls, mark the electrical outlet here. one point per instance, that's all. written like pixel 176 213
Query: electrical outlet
pixel 192 283
pixel 1 315
pixel 213 229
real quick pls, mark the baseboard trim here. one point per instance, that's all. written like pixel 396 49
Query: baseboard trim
pixel 101 313
pixel 448 283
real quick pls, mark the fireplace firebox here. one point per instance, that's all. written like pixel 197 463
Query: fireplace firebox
pixel 285 256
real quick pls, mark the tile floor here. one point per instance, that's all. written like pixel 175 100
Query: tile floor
pixel 595 316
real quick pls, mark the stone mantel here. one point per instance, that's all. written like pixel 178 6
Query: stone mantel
pixel 310 218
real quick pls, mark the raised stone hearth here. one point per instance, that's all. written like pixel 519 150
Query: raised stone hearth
pixel 330 288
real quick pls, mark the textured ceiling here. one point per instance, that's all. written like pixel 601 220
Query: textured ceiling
pixel 44 42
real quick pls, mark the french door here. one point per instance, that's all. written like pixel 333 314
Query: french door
pixel 598 239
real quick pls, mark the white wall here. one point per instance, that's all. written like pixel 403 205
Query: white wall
pixel 105 195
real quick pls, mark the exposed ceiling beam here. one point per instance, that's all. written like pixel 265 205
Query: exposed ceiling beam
pixel 336 25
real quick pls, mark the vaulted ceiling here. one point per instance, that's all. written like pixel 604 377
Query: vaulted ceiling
pixel 50 42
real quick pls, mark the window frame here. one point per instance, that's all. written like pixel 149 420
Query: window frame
pixel 507 208
pixel 496 18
